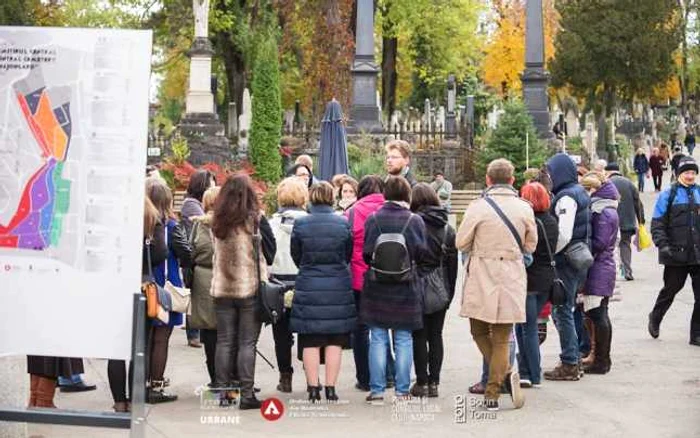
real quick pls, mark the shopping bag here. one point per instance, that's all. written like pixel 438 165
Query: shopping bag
pixel 643 239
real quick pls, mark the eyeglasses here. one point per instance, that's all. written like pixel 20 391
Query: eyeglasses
pixel 393 157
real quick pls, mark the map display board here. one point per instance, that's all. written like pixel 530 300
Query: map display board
pixel 73 133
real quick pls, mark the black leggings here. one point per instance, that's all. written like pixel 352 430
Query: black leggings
pixel 284 340
pixel 208 338
pixel 158 346
pixel 116 374
pixel 428 348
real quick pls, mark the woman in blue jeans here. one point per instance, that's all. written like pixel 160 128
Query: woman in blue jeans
pixel 392 302
pixel 540 276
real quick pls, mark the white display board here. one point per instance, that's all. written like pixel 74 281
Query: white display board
pixel 73 134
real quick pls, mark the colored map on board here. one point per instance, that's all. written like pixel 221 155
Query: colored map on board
pixel 36 218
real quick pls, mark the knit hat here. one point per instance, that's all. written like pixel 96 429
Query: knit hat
pixel 687 163
pixel 612 167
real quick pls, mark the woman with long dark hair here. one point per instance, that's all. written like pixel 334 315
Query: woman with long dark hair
pixel 440 254
pixel 179 256
pixel 236 223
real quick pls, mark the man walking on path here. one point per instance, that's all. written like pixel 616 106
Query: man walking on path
pixel 656 164
pixel 675 229
pixel 498 229
pixel 571 206
pixel 630 211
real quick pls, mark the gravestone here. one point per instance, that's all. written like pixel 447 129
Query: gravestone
pixel 572 124
pixel 535 78
pixel 244 121
pixel 200 124
pixel 232 120
pixel 451 116
pixel 365 113
pixel 427 115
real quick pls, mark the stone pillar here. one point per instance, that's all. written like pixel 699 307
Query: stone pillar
pixel 364 115
pixel 451 116
pixel 201 125
pixel 535 78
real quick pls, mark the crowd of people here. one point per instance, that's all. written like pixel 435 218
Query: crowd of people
pixel 372 266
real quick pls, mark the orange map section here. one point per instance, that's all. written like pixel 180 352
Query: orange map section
pixel 51 137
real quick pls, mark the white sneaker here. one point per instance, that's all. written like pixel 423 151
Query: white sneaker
pixel 525 383
pixel 515 392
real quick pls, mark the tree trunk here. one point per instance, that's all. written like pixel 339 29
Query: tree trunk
pixel 389 75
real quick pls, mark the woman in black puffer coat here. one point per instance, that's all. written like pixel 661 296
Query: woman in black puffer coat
pixel 323 308
pixel 440 252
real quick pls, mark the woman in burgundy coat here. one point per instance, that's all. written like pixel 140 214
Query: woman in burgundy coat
pixel 600 283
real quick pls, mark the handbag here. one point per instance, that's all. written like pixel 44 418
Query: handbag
pixel 270 296
pixel 578 254
pixel 527 258
pixel 180 297
pixel 557 294
pixel 643 240
pixel 435 295
pixel 158 301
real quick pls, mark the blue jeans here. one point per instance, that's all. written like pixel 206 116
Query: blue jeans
pixel 563 315
pixel 485 365
pixel 360 350
pixel 528 340
pixel 640 181
pixel 73 380
pixel 378 347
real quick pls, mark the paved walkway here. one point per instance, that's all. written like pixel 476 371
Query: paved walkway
pixel 652 390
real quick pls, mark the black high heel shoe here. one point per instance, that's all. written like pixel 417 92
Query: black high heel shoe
pixel 314 393
pixel 331 396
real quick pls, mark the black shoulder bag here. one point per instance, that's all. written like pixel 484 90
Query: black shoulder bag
pixel 558 292
pixel 270 297
pixel 435 294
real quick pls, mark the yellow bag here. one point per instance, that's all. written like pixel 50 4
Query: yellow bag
pixel 643 238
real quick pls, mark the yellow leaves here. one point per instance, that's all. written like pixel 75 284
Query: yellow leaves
pixel 504 59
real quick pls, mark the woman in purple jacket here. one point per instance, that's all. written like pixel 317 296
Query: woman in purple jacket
pixel 601 276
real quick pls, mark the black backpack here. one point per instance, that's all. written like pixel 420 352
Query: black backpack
pixel 391 261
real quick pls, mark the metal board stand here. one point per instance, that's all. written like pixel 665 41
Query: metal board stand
pixel 136 422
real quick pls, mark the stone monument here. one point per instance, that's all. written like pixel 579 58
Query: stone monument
pixel 364 114
pixel 535 78
pixel 451 117
pixel 201 125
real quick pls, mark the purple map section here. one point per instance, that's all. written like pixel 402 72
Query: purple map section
pixel 30 232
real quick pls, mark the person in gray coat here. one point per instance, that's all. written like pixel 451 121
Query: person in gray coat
pixel 631 213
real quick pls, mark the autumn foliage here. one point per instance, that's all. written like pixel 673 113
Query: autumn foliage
pixel 505 52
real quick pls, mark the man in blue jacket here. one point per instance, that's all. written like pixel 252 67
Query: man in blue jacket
pixel 571 207
pixel 675 229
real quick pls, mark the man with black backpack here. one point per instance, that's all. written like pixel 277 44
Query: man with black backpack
pixel 675 229
pixel 500 234
pixel 391 299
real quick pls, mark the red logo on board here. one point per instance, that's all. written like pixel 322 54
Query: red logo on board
pixel 272 409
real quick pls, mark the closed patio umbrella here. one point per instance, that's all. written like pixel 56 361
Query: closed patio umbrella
pixel 333 154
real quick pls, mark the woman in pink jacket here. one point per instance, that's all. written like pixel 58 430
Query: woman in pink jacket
pixel 370 199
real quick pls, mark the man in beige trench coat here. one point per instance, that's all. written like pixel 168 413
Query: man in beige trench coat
pixel 496 281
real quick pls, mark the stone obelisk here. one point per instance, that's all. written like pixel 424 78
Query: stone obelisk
pixel 201 125
pixel 365 113
pixel 535 78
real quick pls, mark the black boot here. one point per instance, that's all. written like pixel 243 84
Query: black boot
pixel 603 337
pixel 249 403
pixel 653 326
pixel 285 384
pixel 331 396
pixel 314 393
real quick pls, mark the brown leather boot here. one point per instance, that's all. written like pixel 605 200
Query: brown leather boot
pixel 285 384
pixel 33 385
pixel 590 328
pixel 46 389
